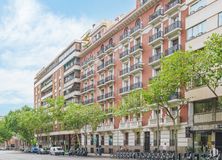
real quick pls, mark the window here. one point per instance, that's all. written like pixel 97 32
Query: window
pixel 137 140
pixel 196 30
pixel 102 140
pixel 197 6
pixel 205 106
pixel 110 140
pixel 220 19
pixel 126 138
pixel 172 138
pixel 157 50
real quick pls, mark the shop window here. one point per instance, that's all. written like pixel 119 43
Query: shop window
pixel 205 106
pixel 202 141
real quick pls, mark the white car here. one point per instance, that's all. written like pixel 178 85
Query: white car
pixel 56 151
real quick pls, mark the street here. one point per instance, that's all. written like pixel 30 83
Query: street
pixel 15 155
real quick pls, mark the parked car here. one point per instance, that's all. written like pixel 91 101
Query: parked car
pixel 34 150
pixel 56 151
pixel 43 151
pixel 27 150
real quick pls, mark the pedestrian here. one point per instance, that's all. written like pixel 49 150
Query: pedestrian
pixel 214 151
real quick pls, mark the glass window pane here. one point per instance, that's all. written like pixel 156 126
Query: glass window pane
pixel 220 19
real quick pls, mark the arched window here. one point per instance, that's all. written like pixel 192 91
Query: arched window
pixel 126 31
pixel 157 8
pixel 138 22
pixel 111 41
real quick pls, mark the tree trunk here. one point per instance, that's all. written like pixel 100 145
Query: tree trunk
pixel 175 135
pixel 158 129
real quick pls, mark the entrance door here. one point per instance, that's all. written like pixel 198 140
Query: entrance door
pixel 146 141
pixel 97 140
pixel 218 140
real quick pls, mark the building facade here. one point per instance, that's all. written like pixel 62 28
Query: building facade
pixel 115 58
pixel 205 18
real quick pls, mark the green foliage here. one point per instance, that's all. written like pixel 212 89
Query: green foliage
pixel 131 104
pixel 5 133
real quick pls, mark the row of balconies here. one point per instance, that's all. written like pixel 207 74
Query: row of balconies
pixel 155 58
pixel 106 50
pixel 87 61
pixel 88 101
pixel 105 81
pixel 89 74
pixel 171 7
pixel 133 51
pixel 172 29
pixel 132 69
pixel 87 88
pixel 105 65
pixel 106 96
pixel 127 89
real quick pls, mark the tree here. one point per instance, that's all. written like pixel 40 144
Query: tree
pixel 5 133
pixel 181 68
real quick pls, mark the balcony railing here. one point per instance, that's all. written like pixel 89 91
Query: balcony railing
pixel 101 97
pixel 136 66
pixel 173 49
pixel 100 82
pixel 109 62
pixel 143 2
pixel 109 78
pixel 136 28
pixel 155 36
pixel 109 95
pixel 136 47
pixel 173 26
pixel 175 95
pixel 124 36
pixel 172 4
pixel 136 85
pixel 155 57
pixel 156 14
pixel 124 71
pixel 87 88
pixel 109 47
pixel 88 101
pixel 124 54
pixel 101 66
pixel 124 89
pixel 100 53
pixel 90 73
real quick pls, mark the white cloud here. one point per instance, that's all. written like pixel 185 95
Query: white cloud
pixel 30 37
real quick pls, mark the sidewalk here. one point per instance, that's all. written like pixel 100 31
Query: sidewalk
pixel 103 155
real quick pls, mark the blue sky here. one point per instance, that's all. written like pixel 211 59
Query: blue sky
pixel 32 32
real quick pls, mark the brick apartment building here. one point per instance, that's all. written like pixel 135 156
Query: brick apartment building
pixel 115 58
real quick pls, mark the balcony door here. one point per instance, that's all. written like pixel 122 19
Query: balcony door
pixel 146 141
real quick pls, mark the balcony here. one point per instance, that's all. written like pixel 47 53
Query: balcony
pixel 47 85
pixel 88 88
pixel 101 53
pixel 101 98
pixel 105 127
pixel 144 2
pixel 136 49
pixel 123 55
pixel 135 31
pixel 72 81
pixel 156 38
pixel 133 124
pixel 124 90
pixel 109 63
pixel 155 58
pixel 101 67
pixel 46 95
pixel 88 101
pixel 169 122
pixel 125 72
pixel 90 73
pixel 156 16
pixel 100 82
pixel 173 49
pixel 138 85
pixel 175 96
pixel 153 122
pixel 109 48
pixel 173 29
pixel 109 79
pixel 109 95
pixel 172 6
pixel 88 61
pixel 72 94
pixel 75 66
pixel 138 67
pixel 124 37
